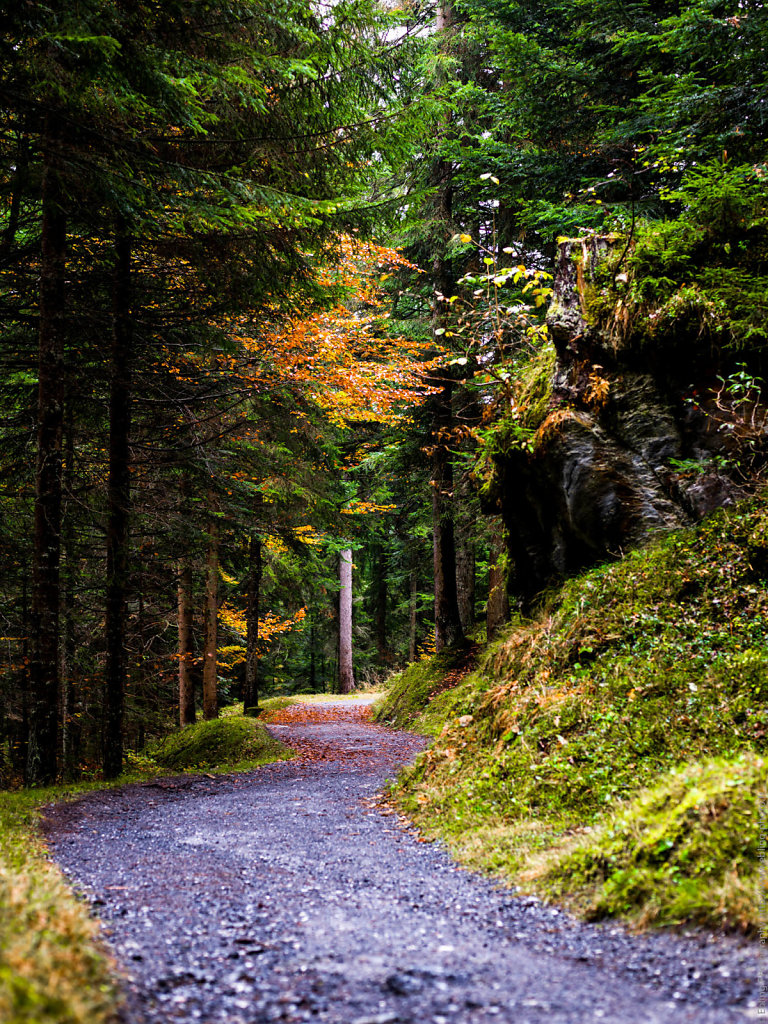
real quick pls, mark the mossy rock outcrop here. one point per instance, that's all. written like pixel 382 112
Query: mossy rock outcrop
pixel 621 450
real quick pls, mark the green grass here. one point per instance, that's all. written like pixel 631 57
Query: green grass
pixel 633 670
pixel 222 744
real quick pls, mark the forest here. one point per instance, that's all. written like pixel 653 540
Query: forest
pixel 406 355
pixel 312 315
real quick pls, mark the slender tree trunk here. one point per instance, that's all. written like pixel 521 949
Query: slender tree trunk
pixel 186 676
pixel 413 614
pixel 139 683
pixel 498 600
pixel 211 643
pixel 118 508
pixel 448 631
pixel 312 670
pixel 18 188
pixel 70 720
pixel 465 581
pixel 19 754
pixel 44 666
pixel 465 559
pixel 346 674
pixel 69 727
pixel 380 581
pixel 251 688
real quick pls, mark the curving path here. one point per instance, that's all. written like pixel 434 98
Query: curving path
pixel 286 894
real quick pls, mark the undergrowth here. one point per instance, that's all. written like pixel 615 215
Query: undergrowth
pixel 700 273
pixel 636 668
pixel 52 970
pixel 426 693
pixel 685 851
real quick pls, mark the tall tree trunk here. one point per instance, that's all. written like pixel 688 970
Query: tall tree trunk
pixel 413 614
pixel 186 677
pixel 19 750
pixel 140 680
pixel 71 730
pixel 18 188
pixel 251 688
pixel 465 580
pixel 498 600
pixel 465 557
pixel 380 580
pixel 44 621
pixel 312 669
pixel 211 643
pixel 346 674
pixel 118 507
pixel 448 631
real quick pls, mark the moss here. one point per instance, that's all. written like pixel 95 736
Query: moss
pixel 534 387
pixel 693 276
pixel 223 743
pixel 519 415
pixel 631 670
pixel 685 850
pixel 423 695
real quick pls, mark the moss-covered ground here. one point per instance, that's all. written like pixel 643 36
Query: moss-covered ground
pixel 428 693
pixel 225 744
pixel 687 850
pixel 52 969
pixel 646 674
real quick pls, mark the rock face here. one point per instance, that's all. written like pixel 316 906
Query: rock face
pixel 602 476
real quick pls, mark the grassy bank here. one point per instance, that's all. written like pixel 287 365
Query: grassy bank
pixel 52 969
pixel 634 670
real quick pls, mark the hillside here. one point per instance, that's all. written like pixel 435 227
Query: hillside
pixel 608 750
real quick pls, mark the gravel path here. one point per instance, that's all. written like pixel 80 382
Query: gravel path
pixel 286 895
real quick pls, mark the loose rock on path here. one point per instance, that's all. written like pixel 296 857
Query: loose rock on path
pixel 286 894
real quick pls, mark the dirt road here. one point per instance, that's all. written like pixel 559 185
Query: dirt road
pixel 286 894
